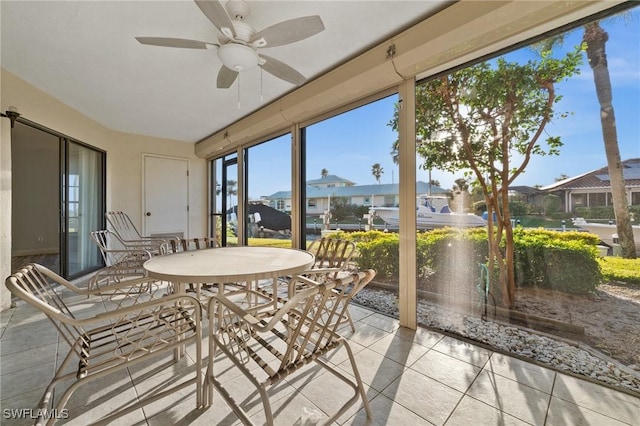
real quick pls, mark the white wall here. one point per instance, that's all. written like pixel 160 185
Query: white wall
pixel 124 161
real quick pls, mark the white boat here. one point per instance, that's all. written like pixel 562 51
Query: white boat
pixel 432 212
pixel 606 232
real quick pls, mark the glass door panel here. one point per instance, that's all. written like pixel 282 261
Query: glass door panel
pixel 229 202
pixel 268 214
pixel 84 206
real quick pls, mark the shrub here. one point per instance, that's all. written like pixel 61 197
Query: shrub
pixel 563 261
pixel 518 208
pixel 596 212
pixel 381 254
pixel 551 204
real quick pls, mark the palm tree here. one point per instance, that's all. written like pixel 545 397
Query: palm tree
pixel 231 190
pixel 377 171
pixel 595 38
pixel 324 173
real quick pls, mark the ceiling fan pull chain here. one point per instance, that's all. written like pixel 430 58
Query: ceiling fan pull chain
pixel 261 96
pixel 239 90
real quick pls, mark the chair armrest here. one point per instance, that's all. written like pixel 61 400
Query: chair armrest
pixel 128 254
pixel 123 311
pixel 321 271
pixel 155 245
pixel 116 285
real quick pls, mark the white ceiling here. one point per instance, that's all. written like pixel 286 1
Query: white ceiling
pixel 84 54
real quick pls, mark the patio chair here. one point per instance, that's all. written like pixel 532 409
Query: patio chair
pixel 122 225
pixel 102 344
pixel 332 261
pixel 178 245
pixel 332 256
pixel 269 346
pixel 121 262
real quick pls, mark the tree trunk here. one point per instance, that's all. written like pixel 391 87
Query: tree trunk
pixel 596 39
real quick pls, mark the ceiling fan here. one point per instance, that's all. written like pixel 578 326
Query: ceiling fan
pixel 238 42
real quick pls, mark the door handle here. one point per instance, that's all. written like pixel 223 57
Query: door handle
pixel 148 213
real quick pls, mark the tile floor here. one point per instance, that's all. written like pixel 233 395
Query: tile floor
pixel 412 378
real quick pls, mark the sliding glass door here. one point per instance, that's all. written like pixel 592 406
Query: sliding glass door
pixel 58 198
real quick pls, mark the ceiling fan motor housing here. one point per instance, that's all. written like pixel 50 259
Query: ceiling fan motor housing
pixel 238 9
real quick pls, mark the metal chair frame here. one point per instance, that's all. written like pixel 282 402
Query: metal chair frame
pixel 112 340
pixel 121 262
pixel 122 225
pixel 279 343
pixel 332 260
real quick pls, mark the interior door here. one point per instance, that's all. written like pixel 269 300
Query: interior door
pixel 166 196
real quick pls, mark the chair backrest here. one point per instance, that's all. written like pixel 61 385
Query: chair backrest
pixel 116 253
pixel 183 244
pixel 121 224
pixel 36 285
pixel 332 253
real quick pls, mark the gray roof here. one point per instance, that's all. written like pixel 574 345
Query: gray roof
pixel 329 179
pixel 600 178
pixel 358 191
pixel 526 190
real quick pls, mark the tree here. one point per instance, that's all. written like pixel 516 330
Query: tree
pixel 324 173
pixel 551 204
pixel 340 208
pixel 561 177
pixel 483 119
pixel 231 190
pixel 377 171
pixel 595 39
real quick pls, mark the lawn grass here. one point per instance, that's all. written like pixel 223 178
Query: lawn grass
pixel 620 270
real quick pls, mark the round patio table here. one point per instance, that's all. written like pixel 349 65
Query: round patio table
pixel 228 265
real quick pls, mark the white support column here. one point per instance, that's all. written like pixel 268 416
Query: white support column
pixel 297 221
pixel 407 185
pixel 241 197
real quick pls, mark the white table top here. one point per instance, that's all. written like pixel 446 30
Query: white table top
pixel 228 264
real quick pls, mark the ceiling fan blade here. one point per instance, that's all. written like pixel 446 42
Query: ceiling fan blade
pixel 282 70
pixel 175 42
pixel 290 31
pixel 214 10
pixel 226 77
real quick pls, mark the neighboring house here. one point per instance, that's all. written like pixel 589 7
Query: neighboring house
pixel 319 194
pixel 593 188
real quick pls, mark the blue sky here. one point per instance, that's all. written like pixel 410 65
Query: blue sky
pixel 349 144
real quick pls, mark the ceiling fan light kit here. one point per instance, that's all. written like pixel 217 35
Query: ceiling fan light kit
pixel 238 57
pixel 239 42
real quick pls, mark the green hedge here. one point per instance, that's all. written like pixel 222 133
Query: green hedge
pixel 563 261
pixel 604 212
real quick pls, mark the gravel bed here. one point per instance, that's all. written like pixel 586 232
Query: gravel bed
pixel 557 354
